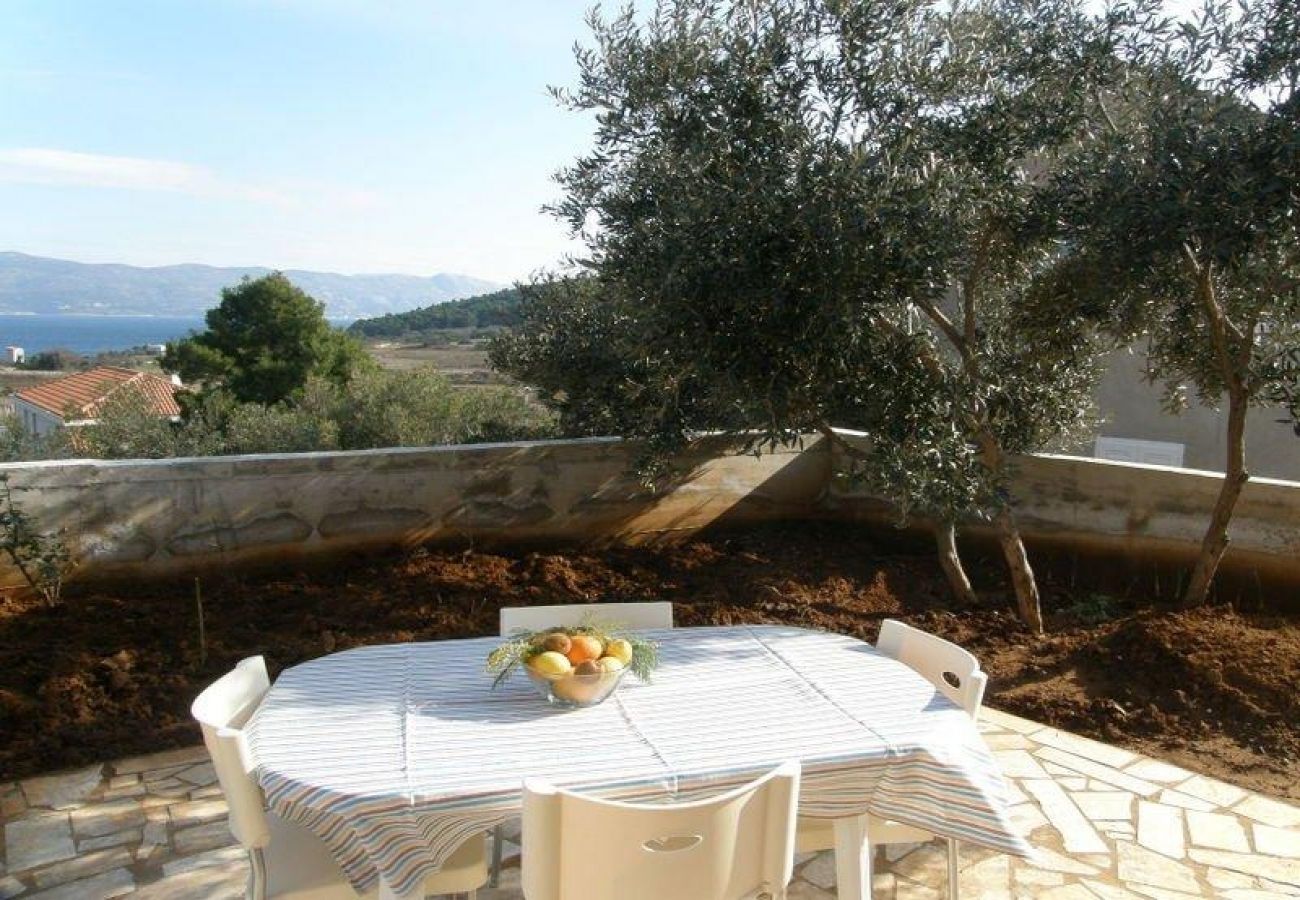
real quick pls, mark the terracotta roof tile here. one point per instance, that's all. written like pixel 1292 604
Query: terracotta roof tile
pixel 83 394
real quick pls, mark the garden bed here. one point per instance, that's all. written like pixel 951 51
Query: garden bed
pixel 112 671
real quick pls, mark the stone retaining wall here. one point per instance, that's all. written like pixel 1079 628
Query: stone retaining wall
pixel 1140 513
pixel 158 517
pixel 171 516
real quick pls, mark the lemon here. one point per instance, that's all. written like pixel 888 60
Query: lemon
pixel 550 663
pixel 620 650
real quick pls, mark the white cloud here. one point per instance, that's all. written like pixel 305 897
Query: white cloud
pixel 67 168
pixel 39 165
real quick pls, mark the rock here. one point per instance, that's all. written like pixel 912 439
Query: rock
pixel 202 837
pixel 224 857
pixel 185 756
pixel 63 791
pixel 208 883
pixel 1142 866
pixel 101 887
pixel 107 818
pixel 198 812
pixel 109 840
pixel 83 866
pixel 37 841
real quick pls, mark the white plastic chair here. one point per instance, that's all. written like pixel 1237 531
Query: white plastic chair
pixel 738 846
pixel 286 860
pixel 653 614
pixel 956 674
pixel 658 614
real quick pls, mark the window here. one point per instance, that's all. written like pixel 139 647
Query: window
pixel 1134 450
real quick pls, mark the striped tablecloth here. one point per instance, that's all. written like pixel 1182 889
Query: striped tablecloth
pixel 394 755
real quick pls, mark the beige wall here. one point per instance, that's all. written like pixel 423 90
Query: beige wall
pixel 1130 408
pixel 164 516
pixel 153 517
pixel 1132 512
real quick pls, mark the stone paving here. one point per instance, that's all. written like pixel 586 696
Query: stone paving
pixel 1107 824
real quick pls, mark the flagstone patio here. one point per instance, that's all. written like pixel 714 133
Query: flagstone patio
pixel 1107 824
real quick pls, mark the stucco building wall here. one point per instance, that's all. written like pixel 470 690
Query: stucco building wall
pixel 1130 408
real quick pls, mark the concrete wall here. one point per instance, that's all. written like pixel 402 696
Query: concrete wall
pixel 1130 408
pixel 157 517
pixel 172 516
pixel 1132 512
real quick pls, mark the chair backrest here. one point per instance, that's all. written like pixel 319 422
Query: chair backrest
pixel 737 845
pixel 954 672
pixel 222 709
pixel 630 615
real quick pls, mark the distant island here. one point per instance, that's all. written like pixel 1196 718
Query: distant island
pixel 485 312
pixel 37 285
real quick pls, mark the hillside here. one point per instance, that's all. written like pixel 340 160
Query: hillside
pixel 35 284
pixel 498 309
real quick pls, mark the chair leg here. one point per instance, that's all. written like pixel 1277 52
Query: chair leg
pixel 495 875
pixel 954 875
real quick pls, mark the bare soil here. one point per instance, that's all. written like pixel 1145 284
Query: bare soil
pixel 462 364
pixel 113 670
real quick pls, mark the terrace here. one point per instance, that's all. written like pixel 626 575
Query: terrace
pixel 1106 821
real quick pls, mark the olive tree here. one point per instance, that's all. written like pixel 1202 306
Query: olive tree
pixel 1184 230
pixel 807 213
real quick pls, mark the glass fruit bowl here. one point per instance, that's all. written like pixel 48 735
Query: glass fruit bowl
pixel 574 667
pixel 575 689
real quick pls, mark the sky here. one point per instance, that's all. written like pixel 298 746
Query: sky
pixel 409 136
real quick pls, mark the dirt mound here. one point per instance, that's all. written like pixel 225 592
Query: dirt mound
pixel 112 672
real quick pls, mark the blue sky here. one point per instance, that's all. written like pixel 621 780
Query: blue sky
pixel 345 135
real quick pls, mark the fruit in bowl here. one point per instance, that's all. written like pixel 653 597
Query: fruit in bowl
pixel 578 666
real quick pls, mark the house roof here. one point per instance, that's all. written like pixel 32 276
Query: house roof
pixel 82 395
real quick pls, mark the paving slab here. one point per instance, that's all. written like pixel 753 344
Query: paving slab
pixel 1217 831
pixel 37 840
pixel 1076 831
pixel 1139 867
pixel 117 883
pixel 183 757
pixel 1211 790
pixel 65 790
pixel 1269 811
pixel 1277 841
pixel 1160 828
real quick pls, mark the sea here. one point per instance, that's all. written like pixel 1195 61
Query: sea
pixel 95 334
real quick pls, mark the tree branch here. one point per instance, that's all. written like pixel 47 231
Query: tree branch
pixel 1218 322
pixel 945 324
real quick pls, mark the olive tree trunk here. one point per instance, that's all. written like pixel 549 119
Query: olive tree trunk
pixel 1022 575
pixel 1235 476
pixel 1013 547
pixel 945 539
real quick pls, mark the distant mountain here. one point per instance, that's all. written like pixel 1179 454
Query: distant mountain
pixel 495 310
pixel 37 284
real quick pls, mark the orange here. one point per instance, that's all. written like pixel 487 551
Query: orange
pixel 584 647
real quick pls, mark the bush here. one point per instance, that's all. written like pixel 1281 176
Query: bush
pixel 421 408
pixel 253 428
pixel 374 409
